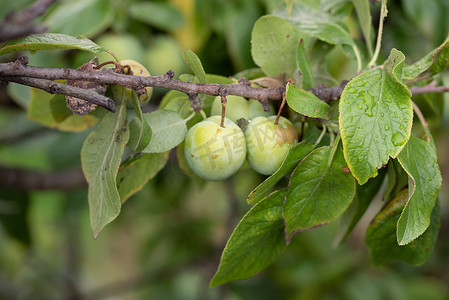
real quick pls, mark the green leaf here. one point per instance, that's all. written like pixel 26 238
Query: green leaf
pixel 81 17
pixel 316 23
pixel 303 65
pixel 169 130
pixel 255 243
pixel 158 14
pixel 319 191
pixel 436 60
pixel 375 117
pixel 195 65
pixel 294 156
pixel 140 130
pixel 100 157
pixel 139 135
pixel 419 160
pixel 306 103
pixel 50 41
pixel 364 16
pixel 134 174
pixel 273 46
pixel 381 238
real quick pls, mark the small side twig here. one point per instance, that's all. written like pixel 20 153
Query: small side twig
pixel 53 87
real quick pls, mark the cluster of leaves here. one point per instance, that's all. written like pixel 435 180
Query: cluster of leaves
pixel 327 174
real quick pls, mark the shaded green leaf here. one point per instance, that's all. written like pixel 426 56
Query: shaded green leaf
pixel 168 130
pixel 195 65
pixel 375 117
pixel 134 174
pixel 294 156
pixel 100 157
pixel 97 15
pixel 158 14
pixel 255 243
pixel 306 103
pixel 273 46
pixel 319 191
pixel 419 160
pixel 364 195
pixel 381 235
pixel 50 41
pixel 302 63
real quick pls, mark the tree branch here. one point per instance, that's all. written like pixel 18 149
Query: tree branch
pixel 18 24
pixel 35 180
pixel 20 72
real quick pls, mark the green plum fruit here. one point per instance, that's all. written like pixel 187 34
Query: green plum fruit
pixel 214 152
pixel 238 107
pixel 268 143
pixel 164 53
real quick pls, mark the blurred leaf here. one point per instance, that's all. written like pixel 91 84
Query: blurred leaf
pixel 294 156
pixel 364 16
pixel 303 66
pixel 375 117
pixel 21 94
pixel 273 38
pixel 169 130
pixel 81 17
pixel 419 160
pixel 195 65
pixel 319 191
pixel 381 235
pixel 306 103
pixel 59 109
pixel 13 214
pixel 50 41
pixel 133 175
pixel 255 243
pixel 100 158
pixel 316 23
pixel 436 60
pixel 158 14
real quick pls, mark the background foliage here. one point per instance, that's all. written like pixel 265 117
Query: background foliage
pixel 169 237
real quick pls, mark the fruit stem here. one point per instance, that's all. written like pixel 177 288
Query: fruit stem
pixel 423 121
pixel 223 109
pixel 383 14
pixel 280 109
pixel 203 114
pixel 323 132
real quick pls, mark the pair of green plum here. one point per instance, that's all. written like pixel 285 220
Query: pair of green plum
pixel 215 153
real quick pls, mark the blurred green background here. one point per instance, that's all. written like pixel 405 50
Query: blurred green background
pixel 167 242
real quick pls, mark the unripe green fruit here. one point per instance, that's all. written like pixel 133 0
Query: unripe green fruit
pixel 268 143
pixel 138 70
pixel 214 152
pixel 238 107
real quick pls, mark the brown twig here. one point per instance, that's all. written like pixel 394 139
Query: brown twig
pixel 18 24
